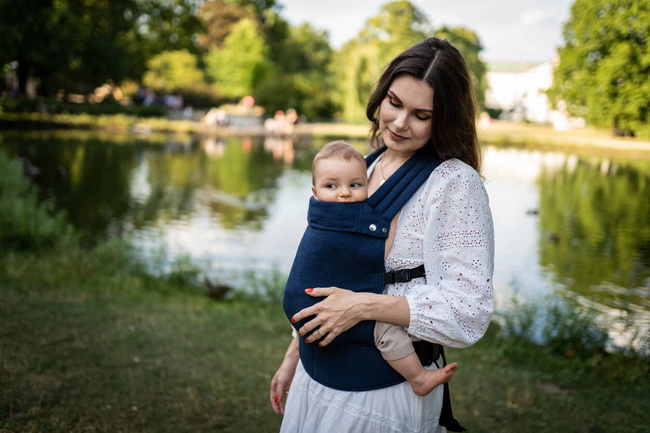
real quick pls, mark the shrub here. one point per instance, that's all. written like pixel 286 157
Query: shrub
pixel 25 222
pixel 573 331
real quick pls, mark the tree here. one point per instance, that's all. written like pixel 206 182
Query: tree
pixel 469 45
pixel 302 78
pixel 173 71
pixel 274 27
pixel 70 44
pixel 77 45
pixel 218 18
pixel 398 26
pixel 161 25
pixel 242 63
pixel 604 67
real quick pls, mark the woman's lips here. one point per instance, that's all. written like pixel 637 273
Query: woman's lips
pixel 396 137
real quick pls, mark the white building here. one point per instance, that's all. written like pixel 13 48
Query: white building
pixel 520 91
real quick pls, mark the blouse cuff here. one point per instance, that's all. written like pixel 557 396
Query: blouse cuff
pixel 413 318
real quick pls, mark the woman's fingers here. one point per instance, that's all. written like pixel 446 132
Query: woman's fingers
pixel 329 337
pixel 318 333
pixel 310 311
pixel 330 317
pixel 278 396
pixel 274 396
pixel 283 377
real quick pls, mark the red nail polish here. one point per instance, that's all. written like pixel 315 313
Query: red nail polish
pixel 309 290
pixel 293 320
pixel 277 398
pixel 306 341
pixel 299 334
pixel 320 345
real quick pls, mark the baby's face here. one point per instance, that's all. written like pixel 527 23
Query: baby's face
pixel 336 179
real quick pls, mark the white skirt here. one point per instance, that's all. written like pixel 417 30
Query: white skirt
pixel 314 408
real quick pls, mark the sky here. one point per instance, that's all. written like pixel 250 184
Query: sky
pixel 510 30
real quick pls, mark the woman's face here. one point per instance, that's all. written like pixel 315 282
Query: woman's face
pixel 405 115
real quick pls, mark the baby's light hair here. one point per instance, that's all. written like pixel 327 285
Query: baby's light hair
pixel 337 149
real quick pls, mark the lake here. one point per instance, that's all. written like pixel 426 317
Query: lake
pixel 565 223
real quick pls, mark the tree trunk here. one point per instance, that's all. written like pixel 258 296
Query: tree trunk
pixel 23 76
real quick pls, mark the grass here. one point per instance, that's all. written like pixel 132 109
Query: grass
pixel 91 340
pixel 88 349
pixel 120 353
pixel 507 384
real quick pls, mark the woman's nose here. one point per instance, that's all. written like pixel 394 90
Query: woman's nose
pixel 400 120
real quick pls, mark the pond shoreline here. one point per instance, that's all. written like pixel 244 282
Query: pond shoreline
pixel 496 132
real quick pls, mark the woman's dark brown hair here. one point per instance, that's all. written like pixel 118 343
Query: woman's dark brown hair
pixel 453 123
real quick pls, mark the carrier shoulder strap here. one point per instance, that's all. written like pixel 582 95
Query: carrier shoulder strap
pixel 393 194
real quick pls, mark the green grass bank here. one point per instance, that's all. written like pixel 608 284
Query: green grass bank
pixel 94 340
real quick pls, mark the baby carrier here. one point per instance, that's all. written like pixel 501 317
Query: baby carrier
pixel 343 246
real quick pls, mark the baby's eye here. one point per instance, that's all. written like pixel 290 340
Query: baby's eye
pixel 330 185
pixel 356 185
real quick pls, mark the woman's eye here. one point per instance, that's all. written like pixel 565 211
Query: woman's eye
pixel 394 102
pixel 422 117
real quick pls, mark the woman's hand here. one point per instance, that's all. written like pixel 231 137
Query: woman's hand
pixel 335 314
pixel 283 377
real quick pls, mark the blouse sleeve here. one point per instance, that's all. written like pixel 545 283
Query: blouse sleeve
pixel 454 306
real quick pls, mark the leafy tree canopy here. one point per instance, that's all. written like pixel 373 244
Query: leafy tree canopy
pixel 242 63
pixel 274 27
pixel 358 64
pixel 398 26
pixel 218 18
pixel 72 44
pixel 305 49
pixel 78 44
pixel 161 25
pixel 302 78
pixel 604 67
pixel 172 71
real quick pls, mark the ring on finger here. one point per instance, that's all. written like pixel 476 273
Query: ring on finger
pixel 320 332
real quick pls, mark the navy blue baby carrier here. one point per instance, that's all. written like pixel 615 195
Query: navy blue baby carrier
pixel 343 246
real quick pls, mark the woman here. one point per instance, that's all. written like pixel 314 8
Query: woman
pixel 423 101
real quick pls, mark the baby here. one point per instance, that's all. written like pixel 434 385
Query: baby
pixel 339 174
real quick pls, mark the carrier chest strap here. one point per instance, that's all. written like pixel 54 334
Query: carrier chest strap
pixel 404 275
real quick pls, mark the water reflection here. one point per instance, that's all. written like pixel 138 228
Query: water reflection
pixel 88 180
pixel 578 225
pixel 595 231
